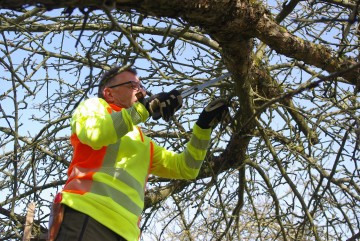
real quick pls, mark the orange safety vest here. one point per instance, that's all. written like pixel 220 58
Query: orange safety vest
pixel 111 162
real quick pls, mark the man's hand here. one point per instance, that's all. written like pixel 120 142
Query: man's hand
pixel 164 104
pixel 214 112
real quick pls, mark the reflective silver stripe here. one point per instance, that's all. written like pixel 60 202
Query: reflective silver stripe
pixel 116 195
pixel 135 117
pixel 198 143
pixel 120 125
pixel 120 174
pixel 190 161
pixel 111 154
pixel 123 176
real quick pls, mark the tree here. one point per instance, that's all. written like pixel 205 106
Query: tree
pixel 284 168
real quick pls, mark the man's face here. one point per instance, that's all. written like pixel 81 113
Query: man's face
pixel 123 95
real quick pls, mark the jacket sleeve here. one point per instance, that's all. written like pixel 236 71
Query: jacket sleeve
pixel 97 125
pixel 185 165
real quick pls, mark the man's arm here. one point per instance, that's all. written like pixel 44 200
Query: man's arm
pixel 187 164
pixel 96 125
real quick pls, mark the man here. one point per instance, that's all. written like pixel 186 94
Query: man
pixel 104 195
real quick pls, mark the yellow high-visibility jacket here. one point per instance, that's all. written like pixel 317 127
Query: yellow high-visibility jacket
pixel 111 162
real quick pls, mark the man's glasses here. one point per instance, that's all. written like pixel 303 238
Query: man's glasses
pixel 134 85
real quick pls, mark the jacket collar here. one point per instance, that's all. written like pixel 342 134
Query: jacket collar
pixel 115 107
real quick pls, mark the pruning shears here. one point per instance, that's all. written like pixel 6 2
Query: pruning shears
pixel 192 90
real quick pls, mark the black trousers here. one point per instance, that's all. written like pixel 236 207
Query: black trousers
pixel 77 226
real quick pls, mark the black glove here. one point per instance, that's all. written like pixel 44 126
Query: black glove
pixel 164 104
pixel 216 111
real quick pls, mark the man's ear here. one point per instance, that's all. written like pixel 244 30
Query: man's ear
pixel 108 96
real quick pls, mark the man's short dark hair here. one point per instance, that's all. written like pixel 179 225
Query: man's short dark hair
pixel 109 75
